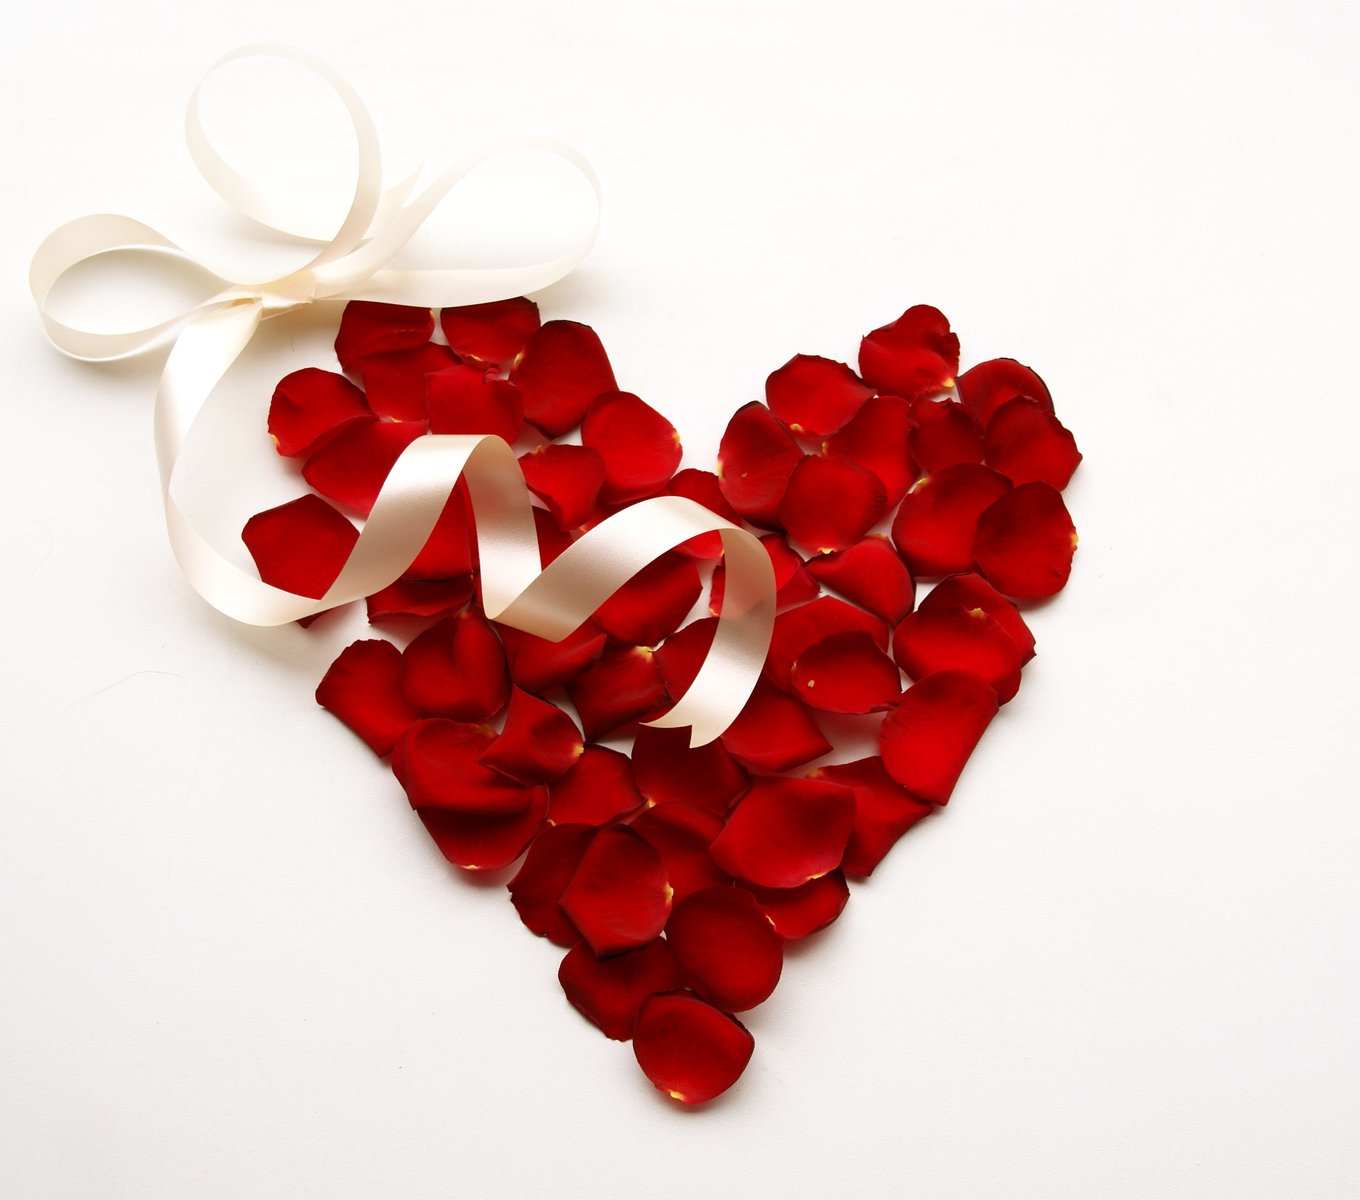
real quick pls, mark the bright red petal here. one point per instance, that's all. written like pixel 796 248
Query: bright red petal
pixel 451 548
pixel 877 440
pixel 682 834
pixel 436 762
pixel 703 488
pixel 815 395
pixel 543 876
pixel 623 685
pixel 871 574
pixel 310 405
pixel 727 948
pixel 956 639
pixel 681 655
pixel 300 546
pixel 987 386
pixel 462 399
pixel 619 898
pixel 368 327
pixel 831 503
pixel 774 732
pixel 799 628
pixel 419 598
pixel 943 434
pixel 786 831
pixel 362 688
pixel 884 811
pixel 934 527
pixel 563 368
pixel 793 585
pixel 456 669
pixel 483 843
pixel 926 740
pixel 640 448
pixel 609 993
pixel 690 1050
pixel 567 479
pixel 538 743
pixel 597 790
pixel 492 334
pixel 797 912
pixel 846 673
pixel 669 771
pixel 538 665
pixel 351 467
pixel 552 538
pixel 651 605
pixel 972 591
pixel 395 384
pixel 1025 542
pixel 1027 443
pixel 916 355
pixel 755 459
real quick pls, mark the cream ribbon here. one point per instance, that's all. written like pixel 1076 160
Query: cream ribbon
pixel 353 263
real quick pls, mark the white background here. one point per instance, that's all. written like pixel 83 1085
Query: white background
pixel 1123 963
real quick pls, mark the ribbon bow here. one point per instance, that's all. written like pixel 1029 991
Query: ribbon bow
pixel 354 263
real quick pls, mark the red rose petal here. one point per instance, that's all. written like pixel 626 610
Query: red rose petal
pixel 624 684
pixel 543 876
pixel 815 395
pixel 462 399
pixel 619 898
pixel 690 1050
pixel 494 334
pixel 847 673
pixel 703 488
pixel 755 459
pixel 786 831
pixel 682 834
pixel 436 762
pixel 563 368
pixel 456 669
pixel 774 732
pixel 870 574
pixel 651 605
pixel 451 548
pixel 1025 542
pixel 793 585
pixel 668 771
pixel 934 527
pixel 943 434
pixel 726 947
pixel 419 598
pixel 681 655
pixel 916 355
pixel 395 383
pixel 539 741
pixel 300 546
pixel 956 639
pixel 363 688
pixel 552 538
pixel 610 993
pixel 972 591
pixel 597 790
pixel 640 448
pixel 831 503
pixel 538 665
pixel 352 466
pixel 368 327
pixel 308 406
pixel 877 440
pixel 1027 443
pixel 800 911
pixel 799 628
pixel 926 740
pixel 567 479
pixel 476 842
pixel 884 811
pixel 987 386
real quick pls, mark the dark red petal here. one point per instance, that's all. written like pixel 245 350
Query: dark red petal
pixel 668 771
pixel 815 395
pixel 609 993
pixel 934 527
pixel 1025 542
pixel 619 898
pixel 831 503
pixel 456 669
pixel 494 334
pixel 640 448
pixel 369 327
pixel 436 762
pixel 926 740
pixel 987 386
pixel 797 912
pixel 483 843
pixel 351 467
pixel 567 479
pixel 793 585
pixel 682 834
pixel 651 605
pixel 972 591
pixel 799 628
pixel 755 459
pixel 624 684
pixel 538 665
pixel 727 948
pixel 362 688
pixel 786 831
pixel 690 1050
pixel 871 574
pixel 681 655
pixel 943 433
pixel 308 406
pixel 884 811
pixel 916 355
pixel 563 368
pixel 419 598
pixel 552 538
pixel 462 399
pixel 877 441
pixel 543 876
pixel 1027 443
pixel 774 732
pixel 394 384
pixel 703 488
pixel 300 546
pixel 538 743
pixel 451 548
pixel 846 673
pixel 598 789
pixel 956 639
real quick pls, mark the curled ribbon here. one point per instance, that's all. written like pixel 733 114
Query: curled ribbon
pixel 354 264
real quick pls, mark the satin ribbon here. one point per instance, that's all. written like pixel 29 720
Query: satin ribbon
pixel 354 264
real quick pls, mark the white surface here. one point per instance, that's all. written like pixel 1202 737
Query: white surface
pixel 1123 964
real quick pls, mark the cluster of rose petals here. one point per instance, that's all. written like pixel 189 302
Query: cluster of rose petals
pixel 673 877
